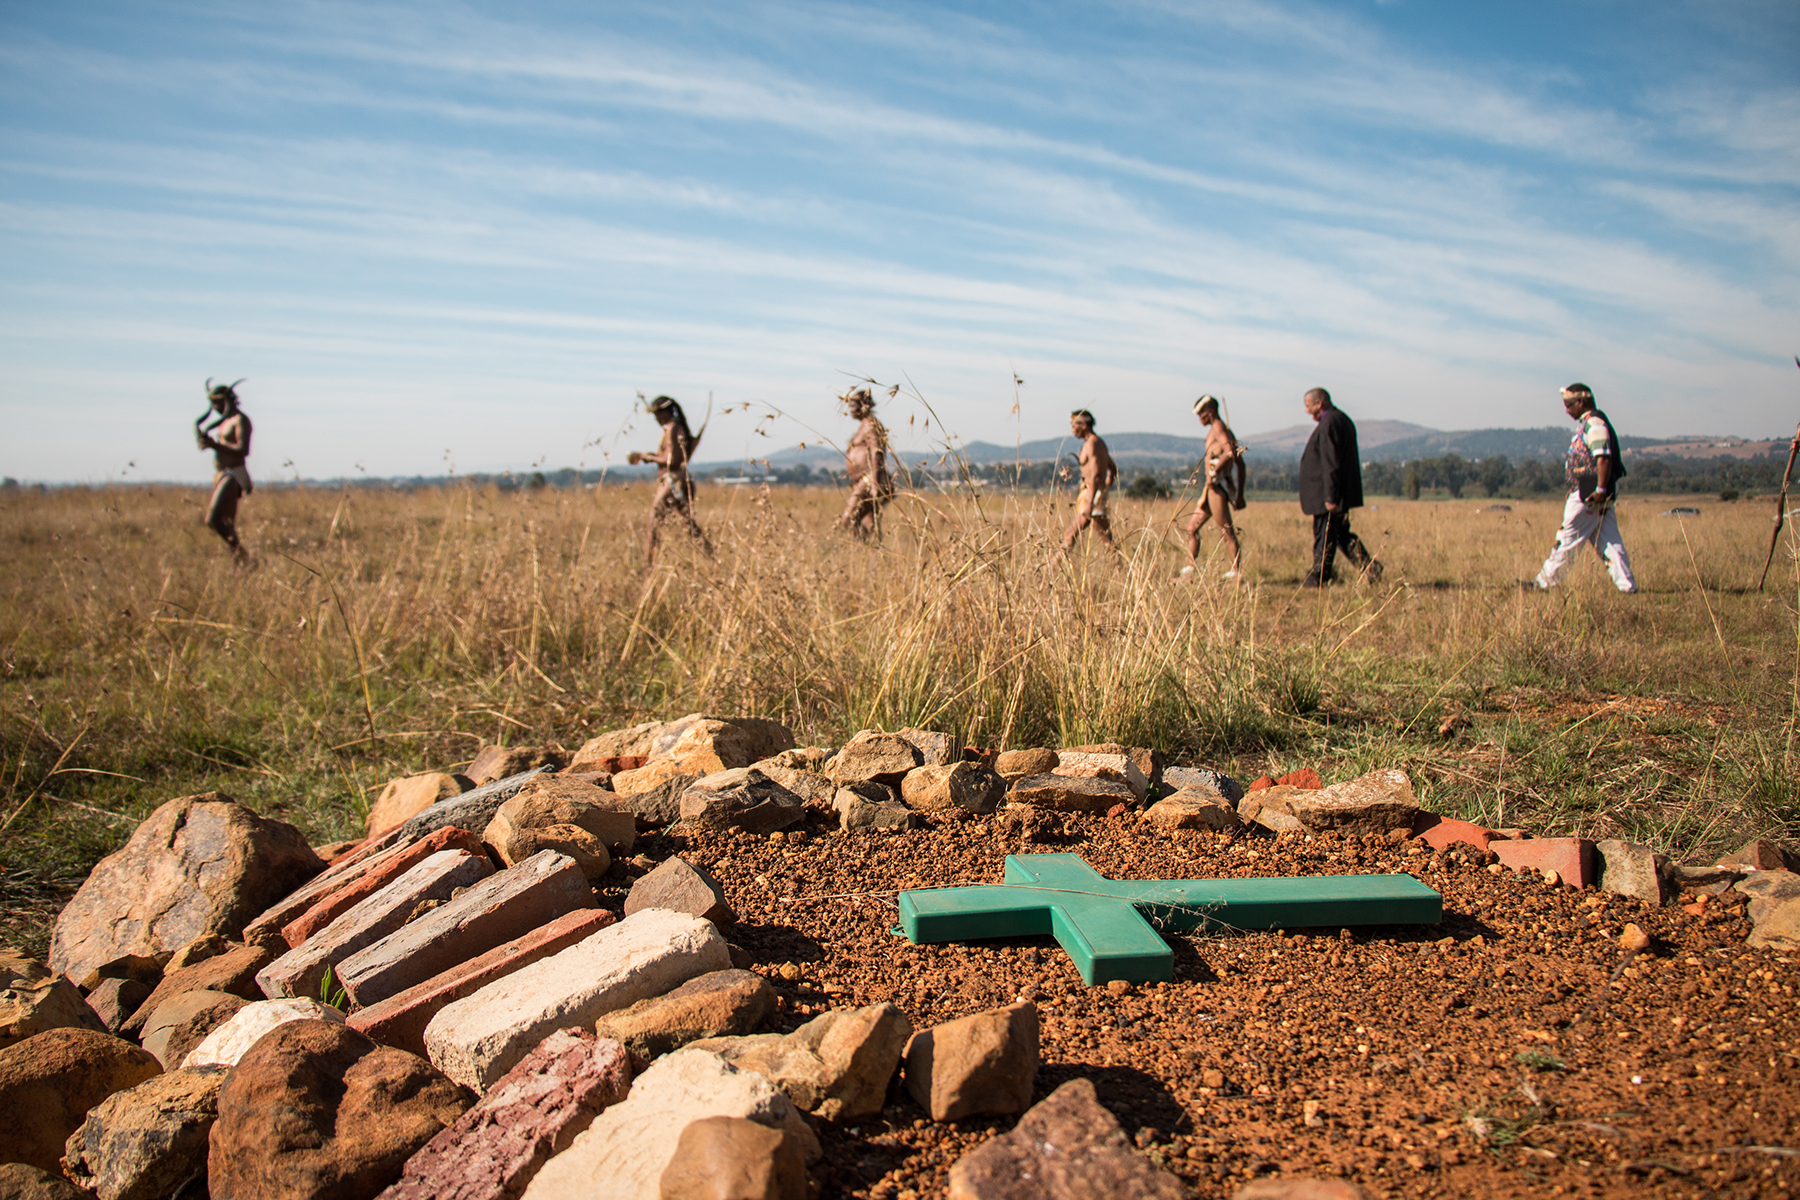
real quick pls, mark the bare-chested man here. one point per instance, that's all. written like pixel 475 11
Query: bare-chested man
pixel 674 490
pixel 229 440
pixel 1098 474
pixel 1224 489
pixel 865 461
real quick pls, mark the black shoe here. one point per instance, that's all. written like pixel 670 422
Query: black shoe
pixel 1312 580
pixel 1372 572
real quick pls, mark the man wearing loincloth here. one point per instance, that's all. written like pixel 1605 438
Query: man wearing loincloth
pixel 674 489
pixel 1098 474
pixel 229 439
pixel 865 462
pixel 1224 489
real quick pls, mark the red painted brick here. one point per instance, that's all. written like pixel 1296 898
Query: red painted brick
pixel 1440 833
pixel 1305 777
pixel 400 1021
pixel 268 926
pixel 1571 858
pixel 1259 784
pixel 335 903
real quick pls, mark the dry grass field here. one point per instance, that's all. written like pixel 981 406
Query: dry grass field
pixel 383 632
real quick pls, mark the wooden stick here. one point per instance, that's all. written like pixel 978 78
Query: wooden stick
pixel 1781 504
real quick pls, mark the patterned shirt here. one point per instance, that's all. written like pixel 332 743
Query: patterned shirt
pixel 1593 440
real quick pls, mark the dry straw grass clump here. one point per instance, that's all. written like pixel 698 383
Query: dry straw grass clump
pixel 385 631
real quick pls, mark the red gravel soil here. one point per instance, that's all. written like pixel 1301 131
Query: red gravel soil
pixel 1513 1050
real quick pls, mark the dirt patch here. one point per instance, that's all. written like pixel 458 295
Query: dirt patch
pixel 1493 1055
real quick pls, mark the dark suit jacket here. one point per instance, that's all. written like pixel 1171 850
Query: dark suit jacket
pixel 1330 468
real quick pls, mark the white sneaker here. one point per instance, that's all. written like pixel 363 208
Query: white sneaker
pixel 1231 575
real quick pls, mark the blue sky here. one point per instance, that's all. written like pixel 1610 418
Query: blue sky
pixel 468 235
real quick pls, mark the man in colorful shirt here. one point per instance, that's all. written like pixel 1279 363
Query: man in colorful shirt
pixel 1594 470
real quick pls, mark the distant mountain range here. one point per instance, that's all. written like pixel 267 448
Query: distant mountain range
pixel 1390 441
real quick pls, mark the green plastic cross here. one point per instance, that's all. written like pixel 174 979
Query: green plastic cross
pixel 1108 926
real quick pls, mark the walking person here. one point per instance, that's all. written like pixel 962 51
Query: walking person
pixel 865 462
pixel 1330 486
pixel 1594 467
pixel 1224 488
pixel 228 438
pixel 674 488
pixel 1098 474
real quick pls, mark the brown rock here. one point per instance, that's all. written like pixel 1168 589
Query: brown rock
pixel 403 799
pixel 984 1064
pixel 182 1022
pixel 680 886
pixel 22 1181
pixel 1206 779
pixel 935 749
pixel 837 1065
pixel 812 787
pixel 718 1004
pixel 590 855
pixel 1015 764
pixel 707 744
pixel 142 968
pixel 35 1000
pixel 1762 855
pixel 1378 802
pixel 1066 793
pixel 115 1000
pixel 654 799
pixel 198 865
pixel 1117 768
pixel 957 786
pixel 635 742
pixel 1269 807
pixel 551 800
pixel 1193 808
pixel 1066 1148
pixel 1774 909
pixel 1150 763
pixel 533 1112
pixel 195 953
pixel 232 972
pixel 731 1158
pixel 315 1109
pixel 811 759
pixel 872 805
pixel 744 799
pixel 872 757
pixel 49 1081
pixel 500 762
pixel 145 1142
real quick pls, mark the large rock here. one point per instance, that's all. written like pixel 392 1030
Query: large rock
pixel 1204 778
pixel 227 1044
pixel 812 787
pixel 501 762
pixel 872 757
pixel 1774 909
pixel 1379 802
pixel 301 971
pixel 984 1064
pixel 720 1004
pixel 958 786
pixel 113 1001
pixel 338 901
pixel 653 794
pixel 1150 763
pixel 935 749
pixel 403 799
pixel 535 1111
pixel 837 1065
pixel 145 1142
pixel 680 886
pixel 479 1038
pixel 317 1110
pixel 744 799
pixel 1193 808
pixel 552 800
pixel 1270 807
pixel 400 1020
pixel 623 1154
pixel 1014 765
pixel 1762 855
pixel 34 1000
pixel 1119 768
pixel 1069 793
pixel 198 865
pixel 182 1022
pixel 707 744
pixel 872 805
pixel 472 810
pixel 1628 869
pixel 1066 1148
pixel 635 742
pixel 50 1081
pixel 22 1181
pixel 493 912
pixel 730 1158
pixel 233 972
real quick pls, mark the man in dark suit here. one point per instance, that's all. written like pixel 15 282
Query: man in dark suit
pixel 1330 486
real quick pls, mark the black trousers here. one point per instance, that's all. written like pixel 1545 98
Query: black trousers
pixel 1331 533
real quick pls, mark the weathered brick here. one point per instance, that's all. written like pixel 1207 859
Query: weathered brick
pixel 479 1038
pixel 335 904
pixel 1440 833
pixel 1571 858
pixel 500 908
pixel 400 1020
